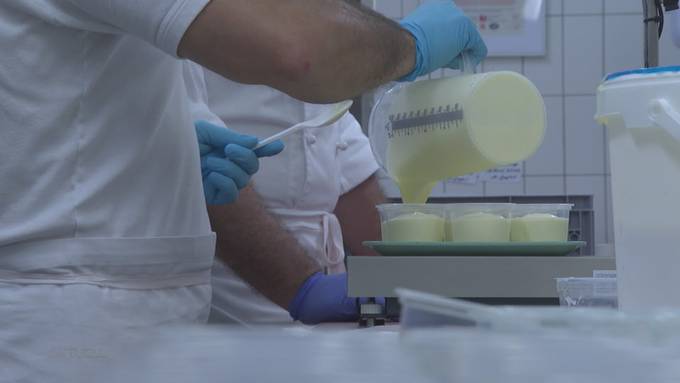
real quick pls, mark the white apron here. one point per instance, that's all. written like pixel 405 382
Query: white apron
pixel 103 226
pixel 121 229
pixel 60 297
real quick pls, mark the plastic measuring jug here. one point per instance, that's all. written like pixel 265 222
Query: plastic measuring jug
pixel 641 110
pixel 426 131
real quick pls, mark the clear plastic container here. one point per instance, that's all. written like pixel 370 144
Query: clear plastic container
pixel 587 292
pixel 478 222
pixel 540 222
pixel 423 310
pixel 412 222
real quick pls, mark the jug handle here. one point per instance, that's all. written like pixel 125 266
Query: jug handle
pixel 466 66
pixel 662 113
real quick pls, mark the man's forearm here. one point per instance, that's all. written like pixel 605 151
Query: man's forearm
pixel 259 250
pixel 316 51
pixel 358 216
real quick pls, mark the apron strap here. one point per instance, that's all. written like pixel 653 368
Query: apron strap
pixel 331 255
pixel 334 250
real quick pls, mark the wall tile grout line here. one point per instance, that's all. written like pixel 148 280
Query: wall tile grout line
pixel 604 132
pixel 579 94
pixel 564 103
pixel 599 14
pixel 571 175
pixel 524 163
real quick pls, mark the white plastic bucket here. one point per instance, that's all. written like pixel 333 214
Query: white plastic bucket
pixel 641 110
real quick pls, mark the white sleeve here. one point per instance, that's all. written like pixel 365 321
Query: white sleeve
pixel 194 80
pixel 159 22
pixel 355 157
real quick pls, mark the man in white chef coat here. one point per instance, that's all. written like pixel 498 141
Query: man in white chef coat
pixel 102 210
pixel 97 160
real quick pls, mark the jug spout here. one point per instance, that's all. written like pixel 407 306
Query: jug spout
pixel 415 191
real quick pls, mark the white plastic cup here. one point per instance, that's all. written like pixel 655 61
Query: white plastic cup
pixel 478 222
pixel 412 222
pixel 540 222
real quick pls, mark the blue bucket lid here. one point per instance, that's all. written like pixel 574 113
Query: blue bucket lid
pixel 643 71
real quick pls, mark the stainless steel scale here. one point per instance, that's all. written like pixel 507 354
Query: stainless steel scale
pixel 516 280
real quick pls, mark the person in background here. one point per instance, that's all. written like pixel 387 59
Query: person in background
pixel 322 190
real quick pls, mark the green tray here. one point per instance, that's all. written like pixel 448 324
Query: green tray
pixel 479 249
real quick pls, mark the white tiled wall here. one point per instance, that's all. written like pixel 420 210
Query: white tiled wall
pixel 586 39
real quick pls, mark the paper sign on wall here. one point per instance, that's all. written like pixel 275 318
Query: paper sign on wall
pixel 505 175
pixel 469 179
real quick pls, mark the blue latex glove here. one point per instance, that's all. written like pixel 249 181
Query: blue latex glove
pixel 323 298
pixel 442 32
pixel 228 161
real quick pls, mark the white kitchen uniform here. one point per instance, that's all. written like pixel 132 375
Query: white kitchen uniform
pixel 102 215
pixel 300 186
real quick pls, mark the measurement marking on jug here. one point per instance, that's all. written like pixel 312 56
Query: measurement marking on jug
pixel 424 121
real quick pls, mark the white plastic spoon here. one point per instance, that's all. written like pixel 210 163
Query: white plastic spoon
pixel 324 119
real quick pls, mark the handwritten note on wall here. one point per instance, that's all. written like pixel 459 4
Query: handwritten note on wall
pixel 469 179
pixel 507 174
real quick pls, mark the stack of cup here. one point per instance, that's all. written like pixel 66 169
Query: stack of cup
pixel 475 222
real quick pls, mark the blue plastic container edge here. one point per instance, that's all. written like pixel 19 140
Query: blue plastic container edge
pixel 642 71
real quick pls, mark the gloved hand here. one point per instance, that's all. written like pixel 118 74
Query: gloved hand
pixel 323 298
pixel 228 161
pixel 442 32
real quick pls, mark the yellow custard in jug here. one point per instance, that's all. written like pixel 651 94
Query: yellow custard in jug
pixel 460 125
